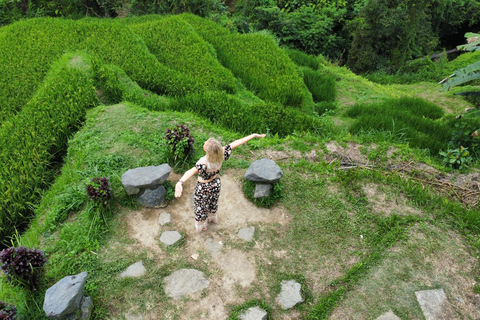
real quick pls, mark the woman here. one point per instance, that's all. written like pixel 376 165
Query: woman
pixel 207 188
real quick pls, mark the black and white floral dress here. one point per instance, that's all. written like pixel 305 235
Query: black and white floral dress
pixel 205 197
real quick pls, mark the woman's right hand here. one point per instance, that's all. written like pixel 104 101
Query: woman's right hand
pixel 178 190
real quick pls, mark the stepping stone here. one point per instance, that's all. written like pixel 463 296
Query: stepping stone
pixel 388 316
pixel 264 171
pixel 434 304
pixel 183 282
pixel 169 238
pixel 246 233
pixel 131 316
pixel 214 247
pixel 135 270
pixel 164 218
pixel 262 190
pixel 290 295
pixel 145 177
pixel 254 313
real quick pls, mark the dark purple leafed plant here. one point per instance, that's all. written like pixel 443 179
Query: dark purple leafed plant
pixel 179 140
pixel 7 312
pixel 23 265
pixel 99 190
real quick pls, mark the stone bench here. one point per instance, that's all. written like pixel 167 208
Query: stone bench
pixel 264 173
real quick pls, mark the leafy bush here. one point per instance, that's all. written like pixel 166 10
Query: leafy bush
pixel 457 158
pixel 266 202
pixel 178 46
pixel 256 59
pixel 23 265
pixel 99 190
pixel 415 119
pixel 463 135
pixel 180 142
pixel 7 311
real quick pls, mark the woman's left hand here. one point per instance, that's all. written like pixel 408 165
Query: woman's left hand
pixel 178 190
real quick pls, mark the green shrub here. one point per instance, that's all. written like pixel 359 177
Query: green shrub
pixel 321 84
pixel 256 59
pixel 302 59
pixel 176 45
pixel 23 266
pixel 48 39
pixel 458 158
pixel 29 141
pixel 414 119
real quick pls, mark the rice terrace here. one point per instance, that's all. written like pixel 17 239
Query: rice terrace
pixel 378 202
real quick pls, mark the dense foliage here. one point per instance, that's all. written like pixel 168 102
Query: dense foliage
pixel 179 142
pixel 23 265
pixel 99 190
pixel 7 311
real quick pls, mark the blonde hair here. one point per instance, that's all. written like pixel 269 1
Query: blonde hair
pixel 214 152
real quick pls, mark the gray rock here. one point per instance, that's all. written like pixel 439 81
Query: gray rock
pixel 135 270
pixel 290 295
pixel 65 296
pixel 262 190
pixel 87 307
pixel 214 247
pixel 152 198
pixel 434 304
pixel 131 316
pixel 169 238
pixel 388 316
pixel 264 170
pixel 183 282
pixel 145 177
pixel 164 218
pixel 254 313
pixel 246 233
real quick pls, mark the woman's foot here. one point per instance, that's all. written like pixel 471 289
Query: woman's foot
pixel 212 218
pixel 201 226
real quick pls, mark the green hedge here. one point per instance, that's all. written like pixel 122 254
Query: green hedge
pixel 29 48
pixel 228 111
pixel 416 120
pixel 176 45
pixel 256 59
pixel 29 141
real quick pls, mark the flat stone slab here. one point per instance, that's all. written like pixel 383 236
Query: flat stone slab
pixel 264 171
pixel 135 270
pixel 145 177
pixel 131 316
pixel 254 313
pixel 152 198
pixel 169 238
pixel 246 233
pixel 290 295
pixel 388 316
pixel 434 304
pixel 65 296
pixel 183 282
pixel 262 190
pixel 214 247
pixel 164 218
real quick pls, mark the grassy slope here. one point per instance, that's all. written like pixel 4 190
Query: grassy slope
pixel 330 210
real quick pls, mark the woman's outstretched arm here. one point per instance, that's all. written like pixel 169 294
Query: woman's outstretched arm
pixel 239 142
pixel 187 175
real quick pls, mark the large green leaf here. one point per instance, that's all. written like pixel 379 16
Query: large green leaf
pixel 460 79
pixel 468 69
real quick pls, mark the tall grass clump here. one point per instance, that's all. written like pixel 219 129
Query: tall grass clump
pixel 47 39
pixel 176 45
pixel 321 84
pixel 230 112
pixel 412 119
pixel 303 59
pixel 256 59
pixel 30 141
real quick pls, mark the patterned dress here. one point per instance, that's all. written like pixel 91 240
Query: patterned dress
pixel 205 197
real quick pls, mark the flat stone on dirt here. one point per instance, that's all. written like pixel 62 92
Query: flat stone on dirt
pixel 169 238
pixel 262 190
pixel 135 270
pixel 183 282
pixel 388 316
pixel 264 170
pixel 131 316
pixel 145 177
pixel 152 198
pixel 246 233
pixel 254 313
pixel 434 304
pixel 214 247
pixel 164 218
pixel 290 295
